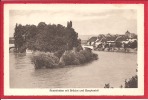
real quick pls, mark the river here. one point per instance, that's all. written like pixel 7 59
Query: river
pixel 111 67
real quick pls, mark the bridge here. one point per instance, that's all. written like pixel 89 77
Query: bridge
pixel 11 43
pixel 11 46
pixel 87 46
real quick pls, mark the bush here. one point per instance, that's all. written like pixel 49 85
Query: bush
pixel 132 82
pixel 69 58
pixel 80 57
pixel 51 60
pixel 94 56
pixel 86 54
pixel 89 55
pixel 76 58
pixel 41 59
pixel 59 53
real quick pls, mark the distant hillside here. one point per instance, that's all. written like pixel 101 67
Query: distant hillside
pixel 85 37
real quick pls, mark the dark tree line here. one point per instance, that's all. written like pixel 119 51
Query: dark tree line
pixel 45 37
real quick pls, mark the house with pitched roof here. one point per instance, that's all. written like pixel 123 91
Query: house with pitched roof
pixel 122 39
pixel 92 41
pixel 131 36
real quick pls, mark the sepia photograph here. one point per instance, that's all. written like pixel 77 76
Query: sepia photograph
pixel 74 48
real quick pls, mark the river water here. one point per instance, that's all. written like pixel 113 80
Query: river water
pixel 111 67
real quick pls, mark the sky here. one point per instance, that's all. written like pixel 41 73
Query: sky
pixel 85 22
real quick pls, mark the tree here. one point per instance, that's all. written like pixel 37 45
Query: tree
pixel 118 44
pixel 45 37
pixel 19 37
pixel 133 44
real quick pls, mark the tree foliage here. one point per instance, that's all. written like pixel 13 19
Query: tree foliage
pixel 132 82
pixel 45 37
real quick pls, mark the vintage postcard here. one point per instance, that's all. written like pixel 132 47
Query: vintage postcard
pixel 74 49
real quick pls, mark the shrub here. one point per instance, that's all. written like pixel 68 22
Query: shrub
pixel 80 57
pixel 69 58
pixel 132 82
pixel 59 53
pixel 86 54
pixel 94 56
pixel 76 58
pixel 89 55
pixel 41 59
pixel 51 60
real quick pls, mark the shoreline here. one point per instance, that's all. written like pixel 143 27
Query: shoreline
pixel 116 52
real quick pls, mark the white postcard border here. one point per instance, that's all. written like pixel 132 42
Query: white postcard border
pixel 99 91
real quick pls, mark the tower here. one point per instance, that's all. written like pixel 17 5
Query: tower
pixel 69 24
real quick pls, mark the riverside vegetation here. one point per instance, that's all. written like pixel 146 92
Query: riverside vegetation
pixel 50 60
pixel 53 45
pixel 131 83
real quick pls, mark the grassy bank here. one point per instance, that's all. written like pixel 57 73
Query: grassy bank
pixel 70 57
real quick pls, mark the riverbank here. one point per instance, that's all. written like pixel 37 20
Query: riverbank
pixel 127 50
pixel 112 49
